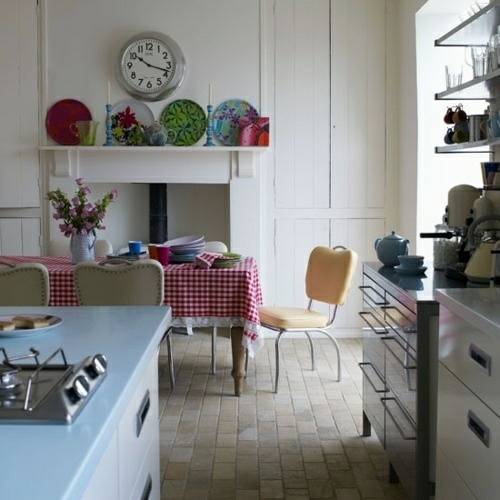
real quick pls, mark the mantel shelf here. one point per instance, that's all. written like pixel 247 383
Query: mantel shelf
pixel 161 149
pixel 191 164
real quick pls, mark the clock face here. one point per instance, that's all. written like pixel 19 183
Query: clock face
pixel 150 66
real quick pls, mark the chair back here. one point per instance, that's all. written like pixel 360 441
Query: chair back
pixel 60 248
pixel 25 284
pixel 215 246
pixel 117 282
pixel 329 274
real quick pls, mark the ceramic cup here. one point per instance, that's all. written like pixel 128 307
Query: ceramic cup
pixel 411 262
pixel 134 247
pixel 163 253
pixel 85 130
pixel 153 253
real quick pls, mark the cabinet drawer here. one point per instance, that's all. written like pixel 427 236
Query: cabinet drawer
pixel 469 436
pixel 401 373
pixel 472 356
pixel 449 484
pixel 147 486
pixel 138 428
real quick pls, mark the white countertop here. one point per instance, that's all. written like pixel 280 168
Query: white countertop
pixel 57 461
pixel 478 306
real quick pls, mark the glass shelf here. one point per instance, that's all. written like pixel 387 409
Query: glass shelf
pixel 161 149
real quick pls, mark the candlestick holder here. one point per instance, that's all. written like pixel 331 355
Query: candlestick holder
pixel 109 131
pixel 209 141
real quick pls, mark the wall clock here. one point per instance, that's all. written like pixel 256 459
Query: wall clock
pixel 150 66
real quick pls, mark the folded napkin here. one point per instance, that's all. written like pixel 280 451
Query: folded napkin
pixel 206 259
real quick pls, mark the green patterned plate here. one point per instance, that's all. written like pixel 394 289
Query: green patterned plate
pixel 187 118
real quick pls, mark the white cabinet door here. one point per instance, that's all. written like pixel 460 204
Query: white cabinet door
pixel 20 236
pixel 19 168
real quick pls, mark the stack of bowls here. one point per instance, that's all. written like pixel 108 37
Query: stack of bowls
pixel 185 249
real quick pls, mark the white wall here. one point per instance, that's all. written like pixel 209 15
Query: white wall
pixel 78 58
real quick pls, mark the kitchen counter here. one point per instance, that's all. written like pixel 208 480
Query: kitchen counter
pixel 478 306
pixel 418 288
pixel 58 461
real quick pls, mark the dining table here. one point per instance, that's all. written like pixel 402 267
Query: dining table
pixel 198 297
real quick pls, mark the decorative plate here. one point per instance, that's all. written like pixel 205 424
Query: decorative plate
pixel 60 117
pixel 226 120
pixel 187 119
pixel 27 332
pixel 129 119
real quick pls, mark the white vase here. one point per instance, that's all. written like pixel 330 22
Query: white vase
pixel 82 247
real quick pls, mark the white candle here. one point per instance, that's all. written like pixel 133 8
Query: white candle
pixel 210 93
pixel 109 93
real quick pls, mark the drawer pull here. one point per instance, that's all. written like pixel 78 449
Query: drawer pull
pixel 480 357
pixel 404 435
pixel 379 329
pixel 362 367
pixel 148 487
pixel 478 428
pixel 143 413
pixel 381 299
pixel 409 362
pixel 408 326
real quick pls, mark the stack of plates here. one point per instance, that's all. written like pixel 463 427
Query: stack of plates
pixel 185 249
pixel 227 259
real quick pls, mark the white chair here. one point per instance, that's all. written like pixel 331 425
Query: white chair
pixel 118 282
pixel 60 248
pixel 215 246
pixel 25 284
pixel 328 279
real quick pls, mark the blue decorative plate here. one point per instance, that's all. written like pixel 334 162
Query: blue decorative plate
pixel 226 120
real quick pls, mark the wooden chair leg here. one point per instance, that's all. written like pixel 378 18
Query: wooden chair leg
pixel 214 350
pixel 170 359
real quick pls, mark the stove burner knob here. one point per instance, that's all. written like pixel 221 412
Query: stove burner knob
pixel 80 388
pixel 97 366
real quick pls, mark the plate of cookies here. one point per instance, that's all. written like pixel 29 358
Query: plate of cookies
pixel 26 324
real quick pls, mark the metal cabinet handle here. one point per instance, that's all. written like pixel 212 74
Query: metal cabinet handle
pixel 409 362
pixel 382 301
pixel 377 373
pixel 478 428
pixel 480 357
pixel 405 416
pixel 142 413
pixel 380 329
pixel 410 327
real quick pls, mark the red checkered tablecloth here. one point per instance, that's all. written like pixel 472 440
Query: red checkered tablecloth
pixel 211 297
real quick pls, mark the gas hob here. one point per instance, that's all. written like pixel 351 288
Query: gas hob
pixel 47 392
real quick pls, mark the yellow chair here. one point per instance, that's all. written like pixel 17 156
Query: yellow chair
pixel 118 282
pixel 25 284
pixel 328 279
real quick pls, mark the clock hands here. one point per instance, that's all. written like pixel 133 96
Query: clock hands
pixel 165 71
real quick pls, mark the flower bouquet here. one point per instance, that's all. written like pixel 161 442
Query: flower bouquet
pixel 79 219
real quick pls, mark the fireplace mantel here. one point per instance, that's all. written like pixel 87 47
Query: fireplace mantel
pixel 170 164
pixel 238 167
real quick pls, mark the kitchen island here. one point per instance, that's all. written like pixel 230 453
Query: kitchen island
pixel 111 450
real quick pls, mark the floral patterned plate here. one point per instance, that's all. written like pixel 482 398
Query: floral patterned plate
pixel 226 120
pixel 187 118
pixel 129 119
